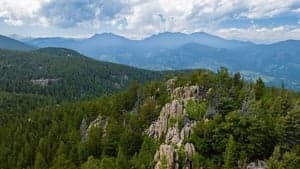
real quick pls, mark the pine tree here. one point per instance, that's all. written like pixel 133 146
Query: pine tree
pixel 291 160
pixel 91 163
pixel 112 138
pixel 291 127
pixel 230 154
pixel 274 161
pixel 148 112
pixel 61 161
pixel 146 154
pixel 39 162
pixel 107 163
pixel 93 144
pixel 121 160
pixel 259 88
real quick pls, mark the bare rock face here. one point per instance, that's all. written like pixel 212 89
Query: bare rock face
pixel 170 84
pixel 190 92
pixel 190 151
pixel 83 130
pixel 167 125
pixel 257 165
pixel 167 157
pixel 173 136
pixel 173 110
pixel 97 123
pixel 187 130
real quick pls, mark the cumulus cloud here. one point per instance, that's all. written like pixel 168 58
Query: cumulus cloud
pixel 258 9
pixel 139 18
pixel 204 15
pixel 261 34
pixel 22 12
pixel 75 12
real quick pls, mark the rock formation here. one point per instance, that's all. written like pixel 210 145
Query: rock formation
pixel 257 165
pixel 97 123
pixel 166 156
pixel 83 127
pixel 174 125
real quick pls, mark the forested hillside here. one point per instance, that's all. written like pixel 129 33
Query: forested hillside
pixel 64 74
pixel 230 124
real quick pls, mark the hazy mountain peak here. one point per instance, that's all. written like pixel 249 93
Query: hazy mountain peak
pixel 12 44
pixel 204 35
pixel 201 33
pixel 166 35
pixel 171 34
pixel 107 35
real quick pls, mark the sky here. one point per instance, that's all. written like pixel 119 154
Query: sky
pixel 262 21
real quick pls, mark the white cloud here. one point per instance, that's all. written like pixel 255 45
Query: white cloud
pixel 268 8
pixel 21 12
pixel 140 18
pixel 261 34
pixel 195 15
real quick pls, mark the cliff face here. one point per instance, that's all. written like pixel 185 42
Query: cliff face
pixel 175 127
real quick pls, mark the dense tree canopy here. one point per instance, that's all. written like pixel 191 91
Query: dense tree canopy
pixel 65 74
pixel 238 123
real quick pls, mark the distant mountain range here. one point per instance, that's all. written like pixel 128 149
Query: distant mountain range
pixel 12 44
pixel 275 63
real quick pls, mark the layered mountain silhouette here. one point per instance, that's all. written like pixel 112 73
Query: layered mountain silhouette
pixel 276 63
pixel 9 43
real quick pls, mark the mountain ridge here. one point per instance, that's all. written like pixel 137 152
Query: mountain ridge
pixel 12 44
pixel 276 62
pixel 65 74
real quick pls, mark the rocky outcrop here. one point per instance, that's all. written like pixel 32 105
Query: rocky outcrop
pixel 174 111
pixel 190 151
pixel 174 125
pixel 186 131
pixel 173 136
pixel 83 127
pixel 183 93
pixel 171 84
pixel 166 157
pixel 99 122
pixel 257 165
